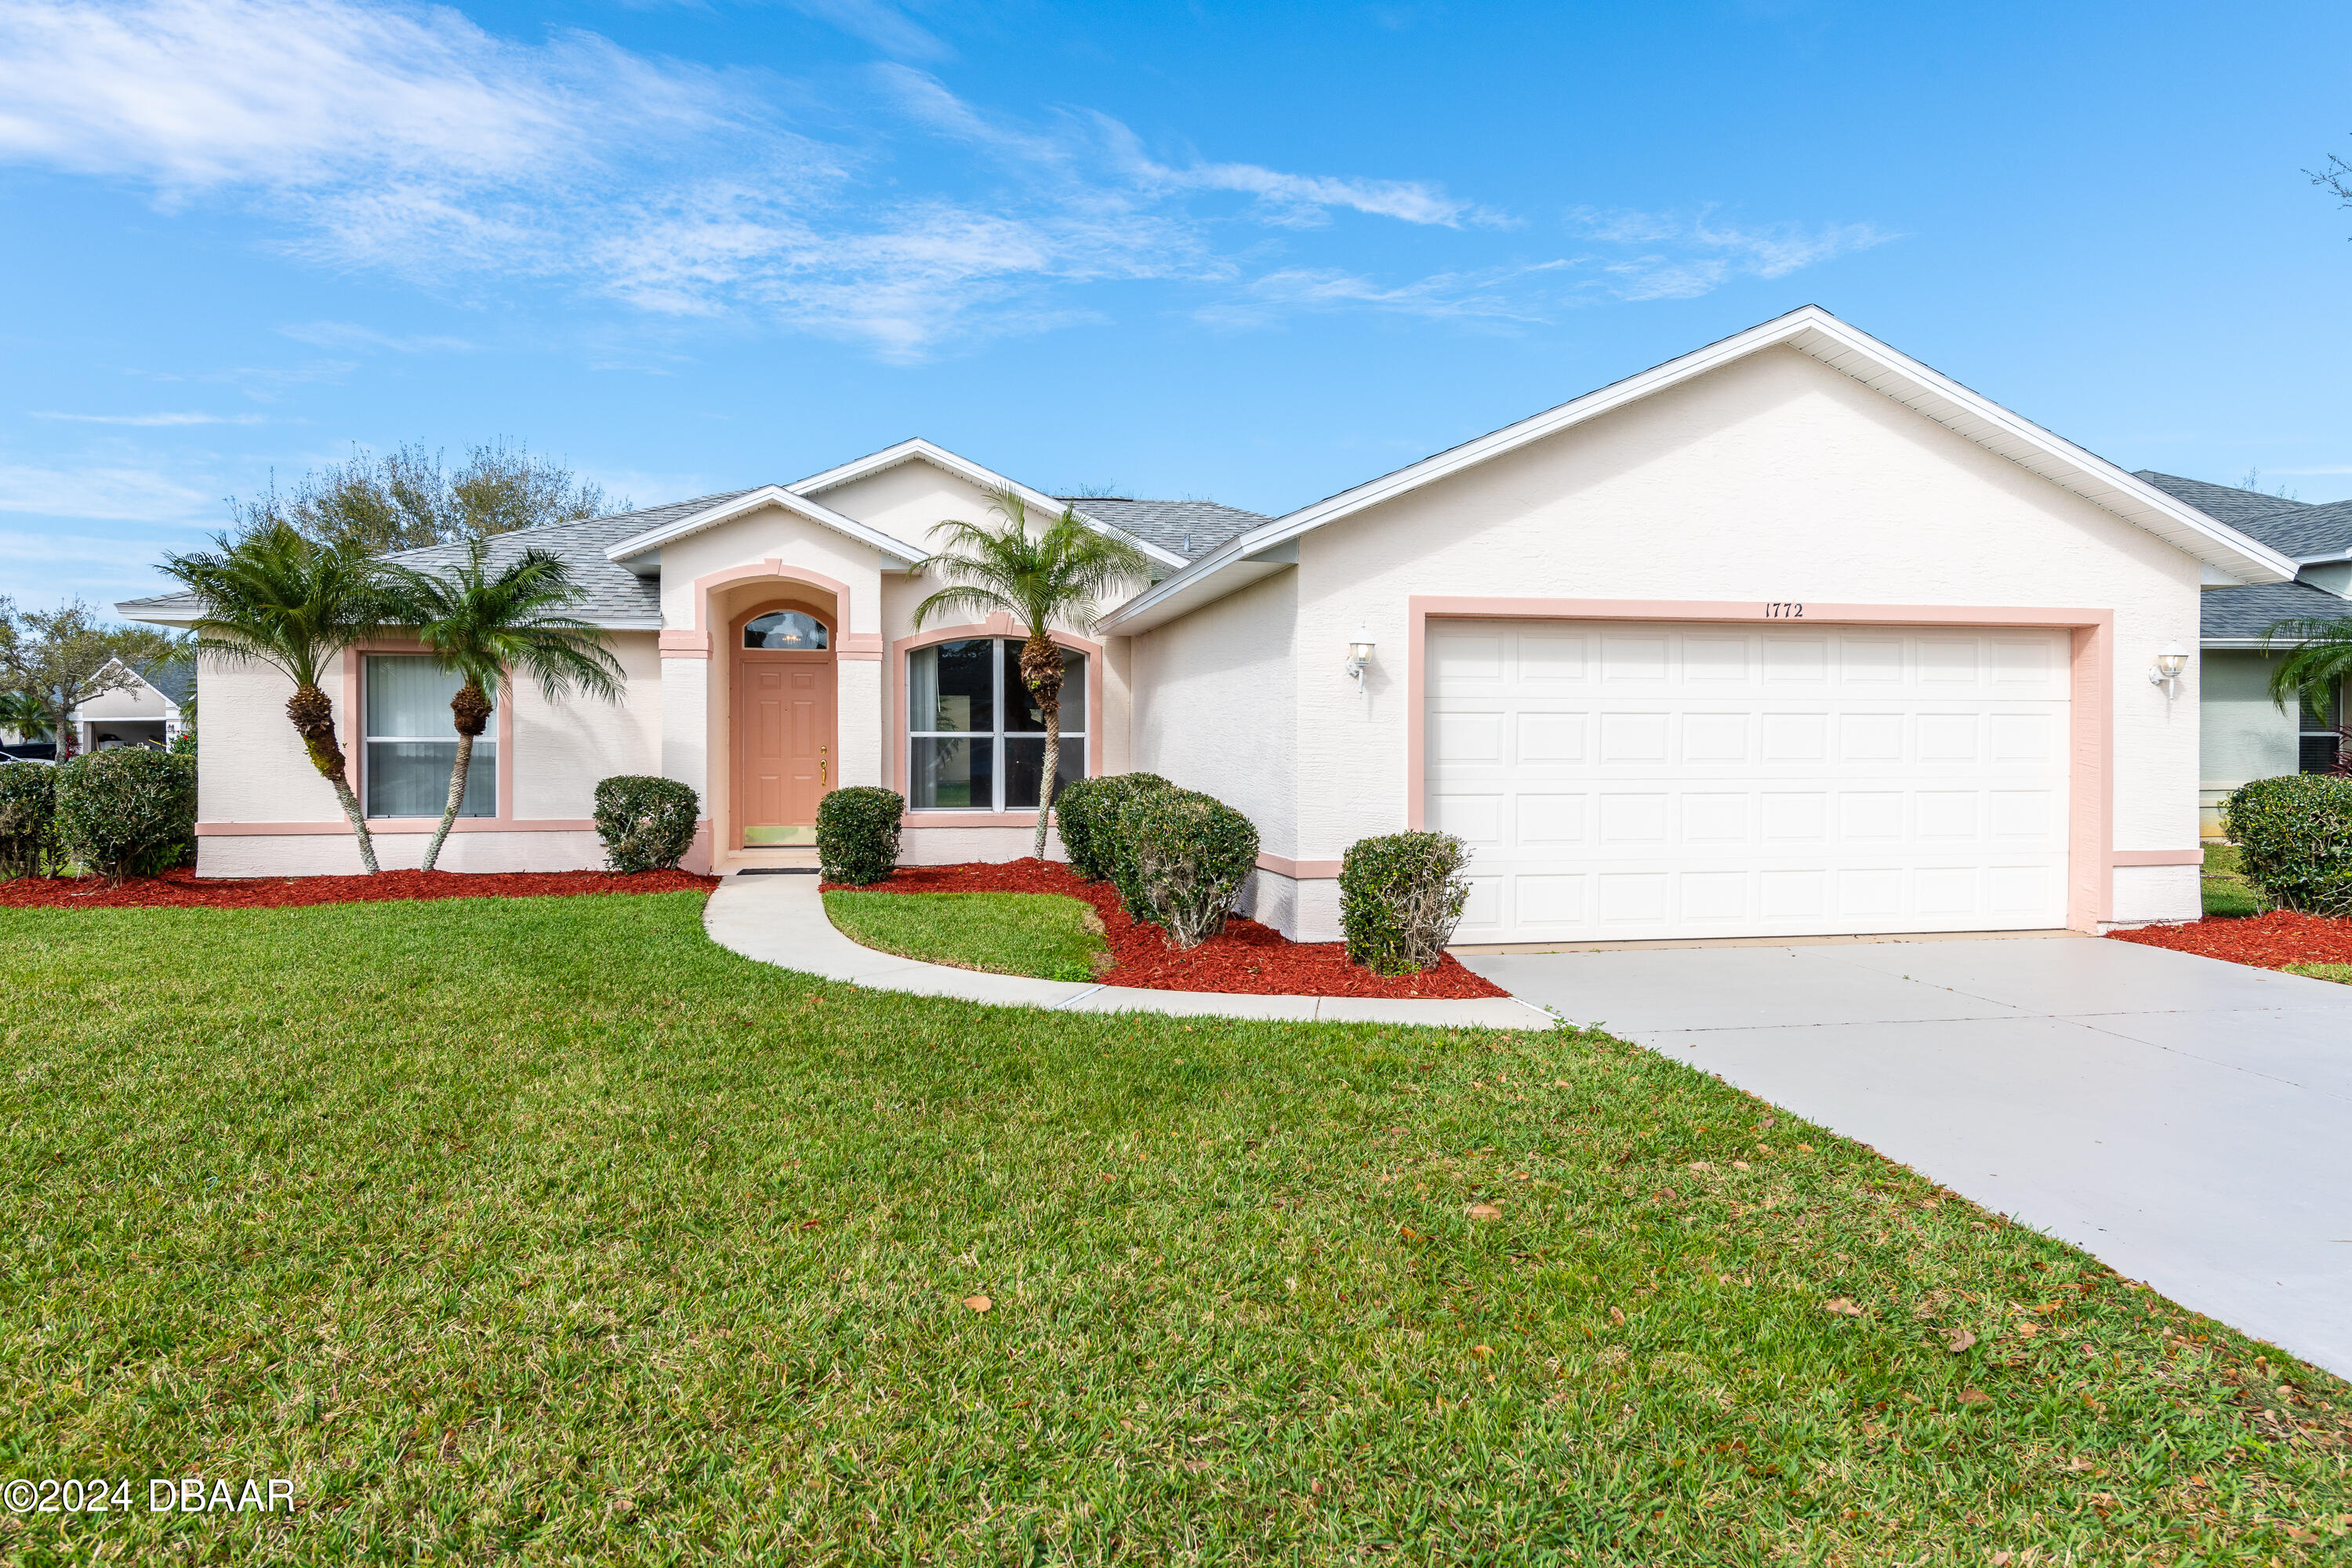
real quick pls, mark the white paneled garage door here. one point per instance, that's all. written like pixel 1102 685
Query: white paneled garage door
pixel 1621 780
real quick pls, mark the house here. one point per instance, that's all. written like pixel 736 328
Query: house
pixel 135 707
pixel 1791 634
pixel 2244 732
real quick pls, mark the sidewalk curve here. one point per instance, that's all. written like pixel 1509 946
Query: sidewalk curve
pixel 780 920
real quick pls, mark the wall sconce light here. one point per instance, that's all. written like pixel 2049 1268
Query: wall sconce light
pixel 1359 656
pixel 2168 666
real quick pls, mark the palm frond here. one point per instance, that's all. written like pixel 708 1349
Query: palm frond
pixel 2316 665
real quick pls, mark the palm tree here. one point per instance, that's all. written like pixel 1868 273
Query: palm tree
pixel 2316 666
pixel 1060 573
pixel 483 626
pixel 276 598
pixel 24 713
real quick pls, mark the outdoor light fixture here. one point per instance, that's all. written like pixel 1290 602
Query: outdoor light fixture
pixel 2168 666
pixel 1360 655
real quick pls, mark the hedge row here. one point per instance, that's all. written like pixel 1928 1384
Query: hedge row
pixel 123 813
pixel 1178 857
pixel 2295 840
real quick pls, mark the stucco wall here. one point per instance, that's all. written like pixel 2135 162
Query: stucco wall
pixel 1775 478
pixel 1217 707
pixel 2243 735
pixel 252 766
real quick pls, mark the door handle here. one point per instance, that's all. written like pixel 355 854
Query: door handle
pixel 824 768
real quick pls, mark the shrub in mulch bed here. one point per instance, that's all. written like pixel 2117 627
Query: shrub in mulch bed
pixel 1245 957
pixel 2271 941
pixel 182 890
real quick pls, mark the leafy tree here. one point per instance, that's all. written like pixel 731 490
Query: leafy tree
pixel 53 660
pixel 277 598
pixel 1056 576
pixel 406 500
pixel 483 626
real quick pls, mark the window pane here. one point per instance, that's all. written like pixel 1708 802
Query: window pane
pixel 411 778
pixel 2319 753
pixel 1024 764
pixel 408 695
pixel 1022 715
pixel 951 687
pixel 785 629
pixel 952 774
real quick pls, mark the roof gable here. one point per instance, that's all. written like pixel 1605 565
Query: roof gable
pixel 1811 330
pixel 918 451
pixel 743 504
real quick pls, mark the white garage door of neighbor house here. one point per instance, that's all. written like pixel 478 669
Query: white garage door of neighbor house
pixel 1621 780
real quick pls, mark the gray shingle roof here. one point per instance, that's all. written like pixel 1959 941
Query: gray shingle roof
pixel 2253 610
pixel 614 596
pixel 2296 528
pixel 1189 528
pixel 174 678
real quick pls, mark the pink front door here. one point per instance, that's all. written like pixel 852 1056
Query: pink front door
pixel 783 738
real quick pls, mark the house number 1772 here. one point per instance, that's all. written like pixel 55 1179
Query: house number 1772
pixel 1782 610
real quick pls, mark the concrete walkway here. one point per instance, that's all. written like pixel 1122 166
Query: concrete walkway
pixel 778 919
pixel 2184 1119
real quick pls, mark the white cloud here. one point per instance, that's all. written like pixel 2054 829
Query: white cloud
pixel 120 493
pixel 1498 294
pixel 1681 257
pixel 154 421
pixel 352 335
pixel 407 139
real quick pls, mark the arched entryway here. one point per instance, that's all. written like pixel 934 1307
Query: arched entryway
pixel 784 743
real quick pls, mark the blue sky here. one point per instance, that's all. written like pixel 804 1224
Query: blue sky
pixel 1249 252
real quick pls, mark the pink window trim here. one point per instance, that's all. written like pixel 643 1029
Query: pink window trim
pixel 354 729
pixel 2090 859
pixel 997 626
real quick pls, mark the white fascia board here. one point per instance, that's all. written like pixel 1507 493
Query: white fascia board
pixel 751 502
pixel 144 610
pixel 1810 330
pixel 920 451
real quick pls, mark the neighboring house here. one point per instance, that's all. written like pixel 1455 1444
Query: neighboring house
pixel 1790 636
pixel 142 711
pixel 2245 734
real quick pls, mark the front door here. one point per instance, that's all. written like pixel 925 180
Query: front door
pixel 783 745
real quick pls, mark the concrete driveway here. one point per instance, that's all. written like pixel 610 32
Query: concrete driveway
pixel 2186 1120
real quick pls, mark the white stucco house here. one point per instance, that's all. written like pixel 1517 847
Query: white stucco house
pixel 1791 634
pixel 133 707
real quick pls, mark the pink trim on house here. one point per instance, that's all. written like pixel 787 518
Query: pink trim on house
pixel 353 730
pixel 1299 870
pixel 772 567
pixel 2090 859
pixel 696 858
pixel 2160 856
pixel 685 644
pixel 997 626
pixel 384 825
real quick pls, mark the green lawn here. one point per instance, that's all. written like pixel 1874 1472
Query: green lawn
pixel 2339 972
pixel 2227 892
pixel 1045 934
pixel 546 1231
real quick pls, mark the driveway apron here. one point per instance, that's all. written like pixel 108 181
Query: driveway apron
pixel 2187 1122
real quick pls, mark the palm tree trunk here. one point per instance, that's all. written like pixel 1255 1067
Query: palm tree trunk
pixel 456 798
pixel 1053 769
pixel 313 717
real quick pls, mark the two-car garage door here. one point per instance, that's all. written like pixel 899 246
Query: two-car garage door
pixel 1622 780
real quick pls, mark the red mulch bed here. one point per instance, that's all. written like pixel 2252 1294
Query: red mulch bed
pixel 1247 957
pixel 2268 942
pixel 183 891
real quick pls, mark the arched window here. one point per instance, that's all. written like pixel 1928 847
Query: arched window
pixel 786 630
pixel 975 741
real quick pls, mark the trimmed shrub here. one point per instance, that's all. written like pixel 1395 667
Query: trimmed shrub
pixel 858 834
pixel 2295 840
pixel 647 824
pixel 1400 896
pixel 1086 811
pixel 129 811
pixel 28 819
pixel 1182 857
